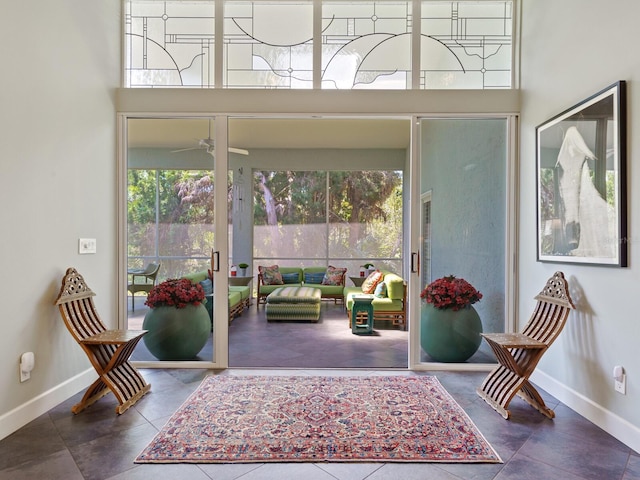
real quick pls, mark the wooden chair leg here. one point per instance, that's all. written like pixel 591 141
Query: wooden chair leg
pixel 95 392
pixel 530 395
pixel 499 388
pixel 127 385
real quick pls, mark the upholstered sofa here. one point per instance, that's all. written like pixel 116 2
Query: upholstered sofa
pixel 297 277
pixel 239 297
pixel 392 305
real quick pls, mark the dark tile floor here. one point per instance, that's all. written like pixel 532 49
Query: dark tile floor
pixel 98 444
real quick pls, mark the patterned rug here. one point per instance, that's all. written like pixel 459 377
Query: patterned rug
pixel 243 419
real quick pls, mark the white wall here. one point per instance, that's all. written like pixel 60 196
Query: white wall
pixel 61 63
pixel 570 50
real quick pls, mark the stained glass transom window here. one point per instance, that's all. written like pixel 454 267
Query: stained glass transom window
pixel 362 44
pixel 366 45
pixel 268 45
pixel 169 44
pixel 466 45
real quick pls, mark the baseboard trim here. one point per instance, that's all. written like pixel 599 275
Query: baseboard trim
pixel 611 423
pixel 32 409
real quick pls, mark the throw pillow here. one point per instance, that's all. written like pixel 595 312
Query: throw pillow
pixel 290 277
pixel 207 286
pixel 374 278
pixel 313 277
pixel 334 276
pixel 381 290
pixel 271 275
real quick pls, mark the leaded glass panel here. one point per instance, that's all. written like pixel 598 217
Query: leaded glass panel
pixel 169 44
pixel 268 45
pixel 366 45
pixel 466 45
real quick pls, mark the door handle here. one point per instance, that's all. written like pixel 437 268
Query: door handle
pixel 215 261
pixel 415 262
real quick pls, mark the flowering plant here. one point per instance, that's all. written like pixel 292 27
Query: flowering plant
pixel 175 293
pixel 450 292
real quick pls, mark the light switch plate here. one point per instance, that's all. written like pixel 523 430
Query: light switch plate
pixel 86 245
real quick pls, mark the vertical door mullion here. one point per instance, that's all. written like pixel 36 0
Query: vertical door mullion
pixel 221 244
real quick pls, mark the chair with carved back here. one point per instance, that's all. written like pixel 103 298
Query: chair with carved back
pixel 108 350
pixel 519 353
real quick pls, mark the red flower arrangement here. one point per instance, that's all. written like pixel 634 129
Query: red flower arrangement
pixel 175 293
pixel 450 292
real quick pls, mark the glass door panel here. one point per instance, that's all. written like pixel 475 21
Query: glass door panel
pixel 170 220
pixel 463 185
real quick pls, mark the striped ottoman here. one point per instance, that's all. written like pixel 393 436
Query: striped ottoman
pixel 294 303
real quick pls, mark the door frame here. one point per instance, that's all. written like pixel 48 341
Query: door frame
pixel 411 231
pixel 415 247
pixel 220 358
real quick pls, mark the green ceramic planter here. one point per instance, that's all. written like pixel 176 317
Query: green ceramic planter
pixel 176 333
pixel 450 336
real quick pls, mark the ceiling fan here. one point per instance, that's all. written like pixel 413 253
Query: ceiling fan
pixel 208 145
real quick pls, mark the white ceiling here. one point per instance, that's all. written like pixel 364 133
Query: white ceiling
pixel 274 132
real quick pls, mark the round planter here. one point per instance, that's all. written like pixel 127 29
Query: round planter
pixel 448 335
pixel 176 333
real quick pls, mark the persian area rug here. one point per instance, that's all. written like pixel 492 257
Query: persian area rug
pixel 244 419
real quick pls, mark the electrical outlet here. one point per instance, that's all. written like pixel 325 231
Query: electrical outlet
pixel 86 245
pixel 621 386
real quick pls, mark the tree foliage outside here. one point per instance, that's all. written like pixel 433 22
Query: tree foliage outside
pixel 174 208
pixel 318 214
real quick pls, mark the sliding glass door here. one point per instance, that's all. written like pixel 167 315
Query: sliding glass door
pixel 172 192
pixel 194 222
pixel 463 229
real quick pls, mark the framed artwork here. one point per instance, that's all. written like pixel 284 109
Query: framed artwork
pixel 581 182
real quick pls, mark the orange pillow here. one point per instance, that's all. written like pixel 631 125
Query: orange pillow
pixel 374 278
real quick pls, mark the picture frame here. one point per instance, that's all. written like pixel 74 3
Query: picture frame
pixel 581 160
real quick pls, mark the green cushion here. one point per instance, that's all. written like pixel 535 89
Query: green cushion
pixel 234 298
pixel 395 286
pixel 315 270
pixel 294 295
pixel 379 304
pixel 244 292
pixel 197 277
pixel 329 289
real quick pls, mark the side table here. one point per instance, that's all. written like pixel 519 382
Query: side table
pixel 358 281
pixel 239 281
pixel 362 315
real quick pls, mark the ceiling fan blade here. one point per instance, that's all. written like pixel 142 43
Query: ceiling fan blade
pixel 185 149
pixel 241 151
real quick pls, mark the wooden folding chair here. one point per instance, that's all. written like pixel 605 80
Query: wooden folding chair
pixel 519 353
pixel 108 350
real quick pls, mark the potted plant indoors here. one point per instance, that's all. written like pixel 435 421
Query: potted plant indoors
pixel 178 322
pixel 450 327
pixel 368 268
pixel 243 269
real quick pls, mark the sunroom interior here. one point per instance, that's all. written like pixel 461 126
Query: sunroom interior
pixel 461 202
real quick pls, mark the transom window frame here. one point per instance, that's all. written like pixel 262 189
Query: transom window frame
pixel 417 75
